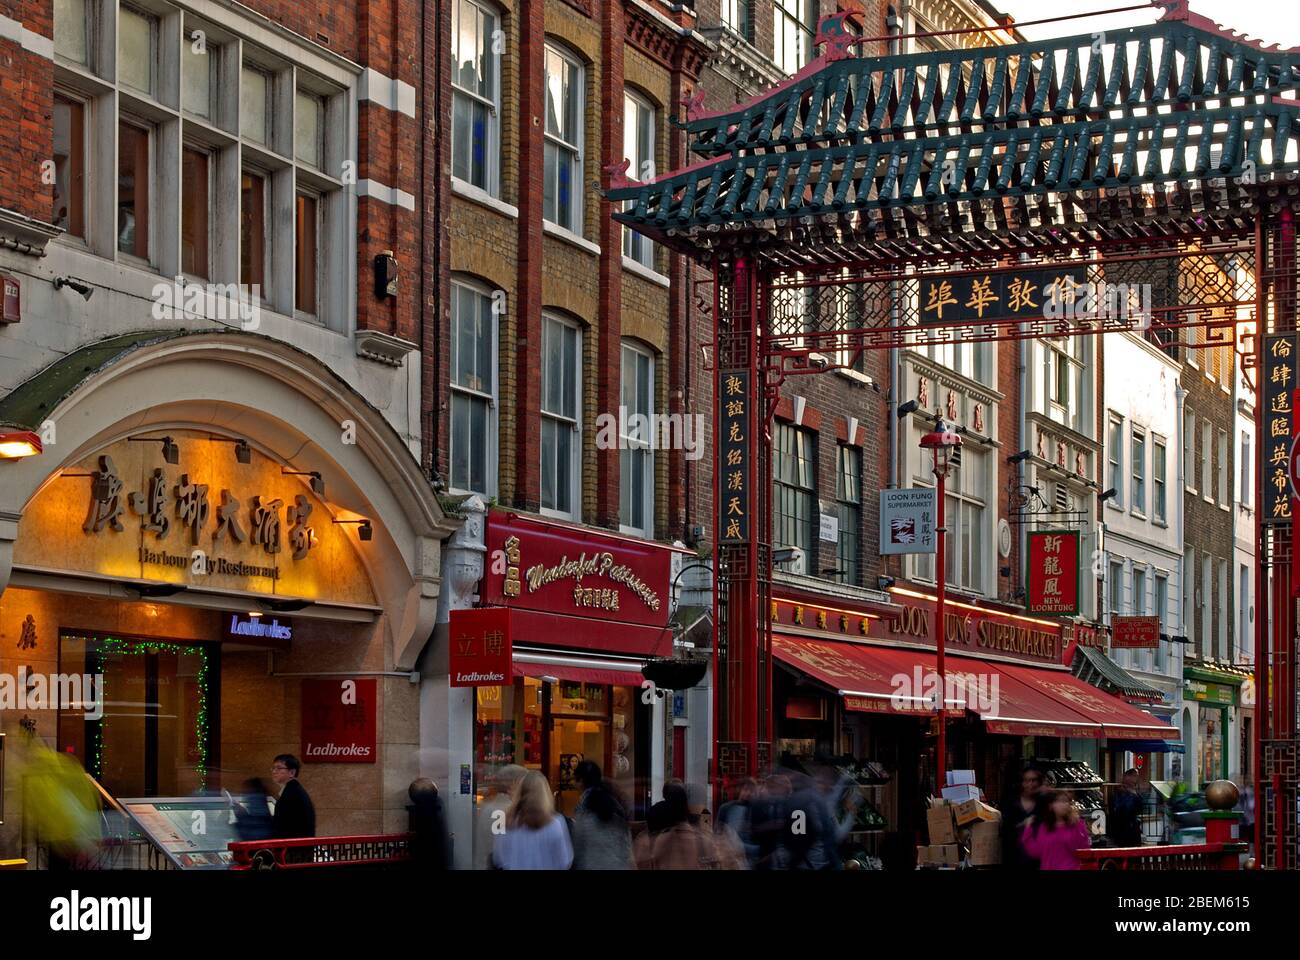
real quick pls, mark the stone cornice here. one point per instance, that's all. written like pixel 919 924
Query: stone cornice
pixel 739 61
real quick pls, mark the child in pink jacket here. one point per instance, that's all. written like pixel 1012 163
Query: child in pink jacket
pixel 1053 839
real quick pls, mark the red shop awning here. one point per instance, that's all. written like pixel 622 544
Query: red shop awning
pixel 1011 699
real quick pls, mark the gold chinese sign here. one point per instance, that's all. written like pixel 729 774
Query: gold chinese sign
pixel 1279 377
pixel 734 495
pixel 945 298
pixel 206 521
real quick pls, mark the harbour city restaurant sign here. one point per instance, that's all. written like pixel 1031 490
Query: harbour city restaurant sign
pixel 969 630
pixel 207 521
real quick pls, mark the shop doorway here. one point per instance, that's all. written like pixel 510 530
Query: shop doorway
pixel 154 737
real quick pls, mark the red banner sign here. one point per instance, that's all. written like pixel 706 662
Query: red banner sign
pixel 480 647
pixel 338 720
pixel 1053 576
pixel 1131 633
pixel 552 568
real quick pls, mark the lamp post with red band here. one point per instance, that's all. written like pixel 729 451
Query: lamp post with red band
pixel 944 445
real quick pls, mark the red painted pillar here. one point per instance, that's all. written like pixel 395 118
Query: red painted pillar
pixel 940 630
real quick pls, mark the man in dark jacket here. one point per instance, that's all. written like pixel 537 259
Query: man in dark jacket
pixel 294 814
pixel 1124 819
pixel 430 849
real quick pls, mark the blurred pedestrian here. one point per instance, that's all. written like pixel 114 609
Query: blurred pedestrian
pixel 62 806
pixel 686 843
pixel 536 838
pixel 430 845
pixel 1016 809
pixel 1124 817
pixel 601 838
pixel 770 825
pixel 252 811
pixel 810 833
pixel 1055 834
pixel 490 820
pixel 658 817
pixel 738 817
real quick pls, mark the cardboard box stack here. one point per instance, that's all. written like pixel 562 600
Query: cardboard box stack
pixel 964 830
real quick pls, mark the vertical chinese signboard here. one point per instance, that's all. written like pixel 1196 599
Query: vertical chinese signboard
pixel 1279 382
pixel 733 494
pixel 1053 575
pixel 480 647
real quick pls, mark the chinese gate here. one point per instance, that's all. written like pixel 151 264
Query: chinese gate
pixel 1143 179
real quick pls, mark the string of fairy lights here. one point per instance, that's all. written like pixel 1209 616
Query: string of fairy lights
pixel 110 645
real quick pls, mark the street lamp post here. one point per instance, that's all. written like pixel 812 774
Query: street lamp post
pixel 944 445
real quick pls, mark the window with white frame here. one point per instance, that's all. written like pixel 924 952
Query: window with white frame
pixel 1116 589
pixel 847 308
pixel 1207 448
pixel 1065 397
pixel 967 553
pixel 473 435
pixel 1246 484
pixel 793 25
pixel 1189 449
pixel 639 150
pixel 191 119
pixel 1222 450
pixel 848 498
pixel 562 167
pixel 1208 610
pixel 1162 613
pixel 794 491
pixel 561 417
pixel 1223 612
pixel 1244 632
pixel 735 14
pixel 475 94
pixel 973 360
pixel 1189 593
pixel 636 451
pixel 1138 465
pixel 1115 457
pixel 1159 483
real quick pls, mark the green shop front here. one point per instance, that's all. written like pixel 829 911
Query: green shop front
pixel 1212 702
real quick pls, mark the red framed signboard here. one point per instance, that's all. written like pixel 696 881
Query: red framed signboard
pixel 1052 579
pixel 1134 633
pixel 480 647
pixel 338 720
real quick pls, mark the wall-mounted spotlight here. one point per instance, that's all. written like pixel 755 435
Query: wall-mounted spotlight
pixel 317 482
pixel 78 286
pixel 286 606
pixel 784 555
pixel 884 582
pixel 911 406
pixel 171 452
pixel 16 446
pixel 243 452
pixel 158 589
pixel 1020 457
pixel 1107 495
pixel 364 530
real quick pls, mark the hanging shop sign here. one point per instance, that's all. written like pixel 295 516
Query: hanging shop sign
pixel 556 568
pixel 1279 377
pixel 205 520
pixel 734 495
pixel 1053 576
pixel 907 521
pixel 1020 293
pixel 339 720
pixel 1134 633
pixel 480 647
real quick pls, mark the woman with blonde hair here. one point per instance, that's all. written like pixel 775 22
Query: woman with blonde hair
pixel 535 838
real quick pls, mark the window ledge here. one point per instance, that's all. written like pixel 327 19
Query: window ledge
pixel 569 237
pixel 644 272
pixel 478 195
pixel 854 375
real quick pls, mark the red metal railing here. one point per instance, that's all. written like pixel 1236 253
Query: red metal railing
pixel 1198 856
pixel 390 849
